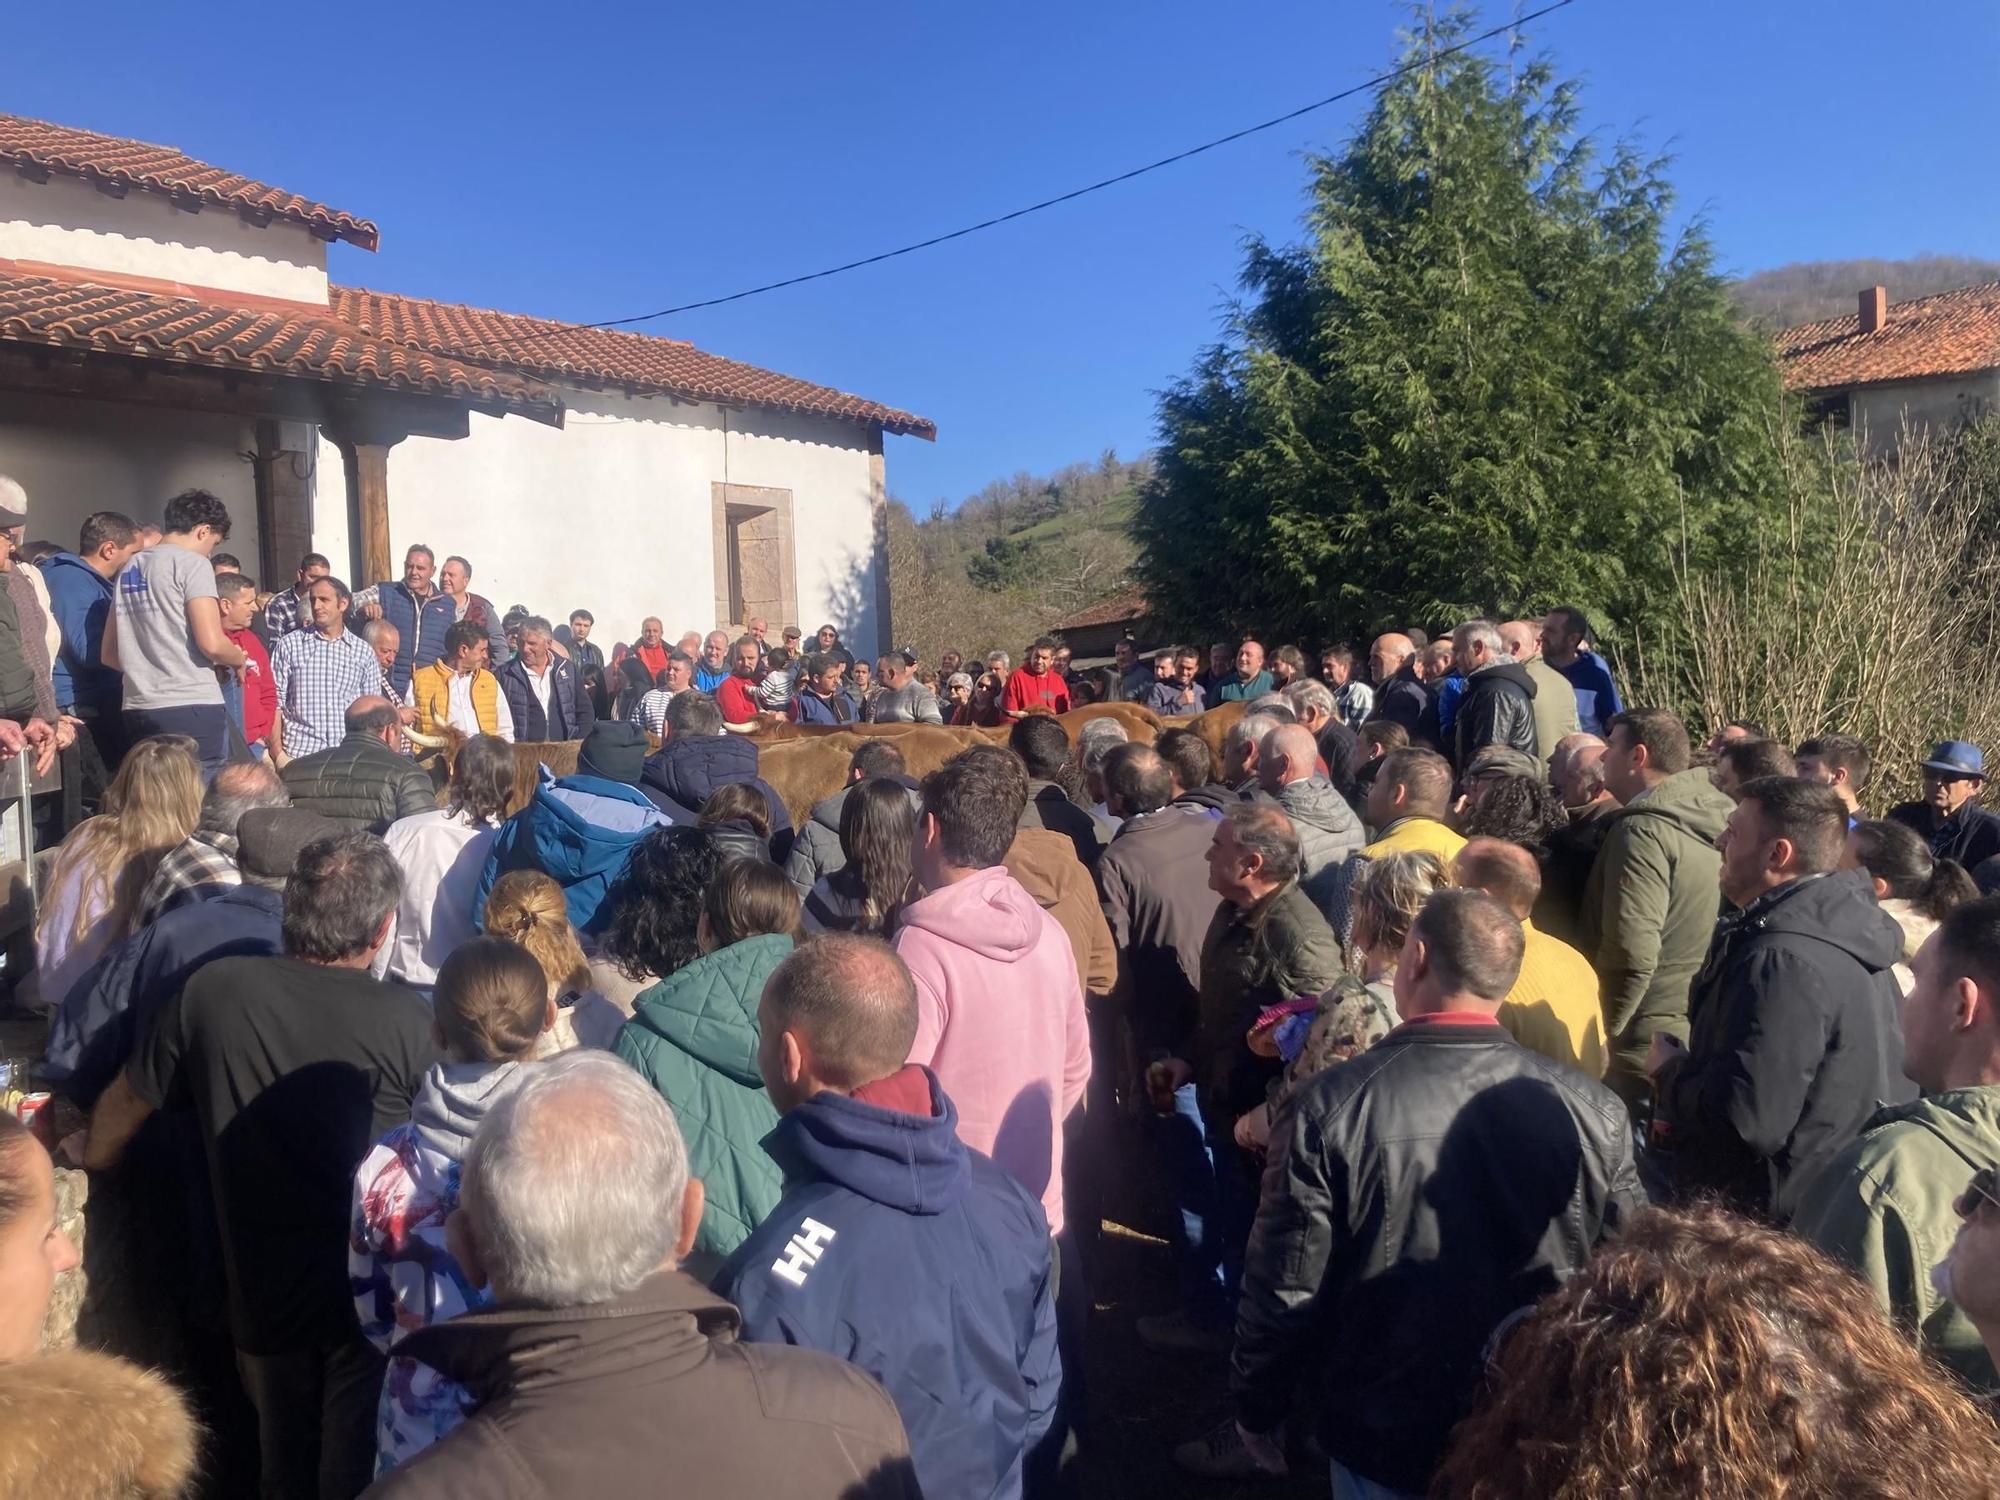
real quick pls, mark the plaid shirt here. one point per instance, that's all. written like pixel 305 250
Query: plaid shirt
pixel 318 680
pixel 284 612
pixel 201 859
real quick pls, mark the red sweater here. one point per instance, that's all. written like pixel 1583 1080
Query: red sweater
pixel 737 698
pixel 260 692
pixel 1025 689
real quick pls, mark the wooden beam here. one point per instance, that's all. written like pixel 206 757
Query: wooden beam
pixel 284 505
pixel 370 471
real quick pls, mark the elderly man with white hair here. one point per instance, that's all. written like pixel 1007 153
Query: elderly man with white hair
pixel 1096 740
pixel 601 1366
pixel 1498 706
pixel 1241 746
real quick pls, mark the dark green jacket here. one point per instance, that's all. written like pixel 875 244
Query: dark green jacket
pixel 694 1038
pixel 1281 949
pixel 1884 1206
pixel 1649 911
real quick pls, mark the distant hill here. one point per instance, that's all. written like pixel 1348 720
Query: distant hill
pixel 1808 290
pixel 1012 560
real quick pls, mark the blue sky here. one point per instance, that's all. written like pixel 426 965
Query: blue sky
pixel 591 162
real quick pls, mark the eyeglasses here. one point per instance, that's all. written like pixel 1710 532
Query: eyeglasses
pixel 1985 1184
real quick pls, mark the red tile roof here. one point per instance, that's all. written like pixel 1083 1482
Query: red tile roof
pixel 74 314
pixel 35 148
pixel 1129 604
pixel 1949 333
pixel 604 357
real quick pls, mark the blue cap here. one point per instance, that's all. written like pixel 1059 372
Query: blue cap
pixel 1957 758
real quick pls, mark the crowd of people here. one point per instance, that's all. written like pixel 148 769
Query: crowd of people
pixel 1535 1100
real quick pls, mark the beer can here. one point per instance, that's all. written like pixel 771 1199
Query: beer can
pixel 33 1111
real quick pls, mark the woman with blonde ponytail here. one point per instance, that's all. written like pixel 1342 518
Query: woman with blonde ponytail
pixel 527 908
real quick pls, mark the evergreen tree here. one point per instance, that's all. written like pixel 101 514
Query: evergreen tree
pixel 1485 384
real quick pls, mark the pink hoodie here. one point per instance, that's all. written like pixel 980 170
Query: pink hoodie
pixel 1000 1021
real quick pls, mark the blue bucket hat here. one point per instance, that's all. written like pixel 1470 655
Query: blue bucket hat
pixel 1957 758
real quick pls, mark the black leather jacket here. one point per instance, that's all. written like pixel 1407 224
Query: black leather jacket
pixel 1498 709
pixel 1415 1196
pixel 360 782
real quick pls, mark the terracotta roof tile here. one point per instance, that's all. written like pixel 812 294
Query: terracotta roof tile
pixel 604 356
pixel 37 148
pixel 1949 333
pixel 68 314
pixel 1129 604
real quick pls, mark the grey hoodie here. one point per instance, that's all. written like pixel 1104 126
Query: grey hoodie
pixel 1328 833
pixel 455 1098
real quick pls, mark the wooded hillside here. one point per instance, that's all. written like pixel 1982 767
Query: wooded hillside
pixel 1808 290
pixel 1014 559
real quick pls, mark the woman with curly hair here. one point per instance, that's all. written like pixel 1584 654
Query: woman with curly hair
pixel 655 905
pixel 1702 1356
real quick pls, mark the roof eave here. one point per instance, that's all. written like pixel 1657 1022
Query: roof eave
pixel 344 226
pixel 1824 388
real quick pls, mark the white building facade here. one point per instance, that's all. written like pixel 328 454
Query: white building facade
pixel 167 325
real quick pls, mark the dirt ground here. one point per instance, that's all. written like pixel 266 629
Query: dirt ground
pixel 1143 1405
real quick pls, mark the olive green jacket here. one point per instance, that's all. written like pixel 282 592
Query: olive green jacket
pixel 1884 1206
pixel 1649 910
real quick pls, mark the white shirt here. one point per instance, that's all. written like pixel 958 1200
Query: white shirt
pixel 441 857
pixel 462 716
pixel 539 682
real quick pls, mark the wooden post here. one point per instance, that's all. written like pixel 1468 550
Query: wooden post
pixel 371 512
pixel 284 503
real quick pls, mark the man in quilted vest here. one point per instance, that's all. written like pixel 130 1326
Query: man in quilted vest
pixel 458 690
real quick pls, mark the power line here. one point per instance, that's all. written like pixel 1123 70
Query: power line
pixel 1047 203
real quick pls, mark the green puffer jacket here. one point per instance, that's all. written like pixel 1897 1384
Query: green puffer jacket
pixel 1649 911
pixel 1883 1206
pixel 694 1038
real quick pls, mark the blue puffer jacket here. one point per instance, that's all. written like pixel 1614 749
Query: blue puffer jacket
pixel 682 774
pixel 420 628
pixel 80 596
pixel 93 1036
pixel 906 1253
pixel 579 831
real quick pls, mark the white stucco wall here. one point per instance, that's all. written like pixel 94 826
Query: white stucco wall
pixel 614 512
pixel 67 222
pixel 75 457
pixel 1880 413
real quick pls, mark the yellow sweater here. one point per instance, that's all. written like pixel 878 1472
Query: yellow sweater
pixel 1425 835
pixel 430 694
pixel 1553 1008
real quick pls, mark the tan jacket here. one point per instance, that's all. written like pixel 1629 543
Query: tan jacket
pixel 1045 864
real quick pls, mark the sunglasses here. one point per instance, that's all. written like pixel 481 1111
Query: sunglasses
pixel 1985 1184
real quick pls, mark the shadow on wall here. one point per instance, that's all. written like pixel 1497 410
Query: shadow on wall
pixel 855 609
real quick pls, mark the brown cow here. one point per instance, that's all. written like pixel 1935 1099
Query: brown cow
pixel 811 767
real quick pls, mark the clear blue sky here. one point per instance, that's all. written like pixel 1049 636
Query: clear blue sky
pixel 582 163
